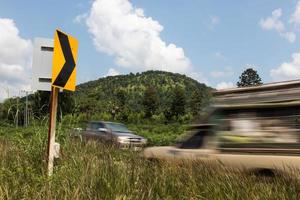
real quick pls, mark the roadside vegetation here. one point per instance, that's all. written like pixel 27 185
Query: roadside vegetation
pixel 156 105
pixel 95 171
pixel 152 96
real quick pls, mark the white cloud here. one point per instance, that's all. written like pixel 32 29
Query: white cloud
pixel 15 59
pixel 220 56
pixel 8 90
pixel 211 22
pixel 121 30
pixel 112 72
pixel 225 85
pixel 198 76
pixel 287 70
pixel 290 36
pixel 222 73
pixel 274 23
pixel 214 20
pixel 80 18
pixel 295 18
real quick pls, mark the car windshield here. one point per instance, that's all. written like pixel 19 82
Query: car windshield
pixel 117 127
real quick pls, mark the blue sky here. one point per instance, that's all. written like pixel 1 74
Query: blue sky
pixel 209 40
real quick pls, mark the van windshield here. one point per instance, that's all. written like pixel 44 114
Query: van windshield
pixel 197 137
pixel 193 142
pixel 117 127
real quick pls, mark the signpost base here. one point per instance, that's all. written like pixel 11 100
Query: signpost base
pixel 52 128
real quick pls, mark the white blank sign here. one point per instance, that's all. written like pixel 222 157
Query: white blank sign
pixel 42 64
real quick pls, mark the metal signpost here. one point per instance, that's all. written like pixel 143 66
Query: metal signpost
pixel 42 64
pixel 63 76
pixel 54 69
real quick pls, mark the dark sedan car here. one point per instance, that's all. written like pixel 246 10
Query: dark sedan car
pixel 113 133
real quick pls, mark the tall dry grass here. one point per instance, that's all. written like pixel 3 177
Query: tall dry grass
pixel 95 171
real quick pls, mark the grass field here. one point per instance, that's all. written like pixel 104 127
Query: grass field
pixel 93 171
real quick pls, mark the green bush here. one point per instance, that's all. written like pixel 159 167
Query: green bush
pixel 158 134
pixel 158 118
pixel 135 117
pixel 106 116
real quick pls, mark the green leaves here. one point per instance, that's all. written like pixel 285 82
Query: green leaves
pixel 178 102
pixel 150 101
pixel 142 95
pixel 129 98
pixel 249 77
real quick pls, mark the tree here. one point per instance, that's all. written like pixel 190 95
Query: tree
pixel 121 110
pixel 9 109
pixel 196 102
pixel 120 98
pixel 2 112
pixel 178 102
pixel 249 77
pixel 150 101
pixel 41 103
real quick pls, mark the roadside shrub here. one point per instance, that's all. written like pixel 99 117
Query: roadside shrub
pixel 185 118
pixel 158 134
pixel 135 117
pixel 105 116
pixel 159 118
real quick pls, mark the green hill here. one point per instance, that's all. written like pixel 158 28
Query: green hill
pixel 124 94
pixel 161 96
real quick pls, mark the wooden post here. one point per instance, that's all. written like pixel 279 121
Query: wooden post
pixel 52 127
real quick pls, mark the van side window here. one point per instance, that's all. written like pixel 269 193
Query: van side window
pixel 260 130
pixel 96 125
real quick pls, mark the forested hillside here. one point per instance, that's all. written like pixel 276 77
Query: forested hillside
pixel 152 95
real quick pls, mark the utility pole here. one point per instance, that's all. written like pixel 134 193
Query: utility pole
pixel 26 114
pixel 26 110
pixel 17 113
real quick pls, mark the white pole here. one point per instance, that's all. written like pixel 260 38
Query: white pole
pixel 26 109
pixel 52 127
pixel 17 113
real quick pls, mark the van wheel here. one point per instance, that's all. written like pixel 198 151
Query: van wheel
pixel 263 172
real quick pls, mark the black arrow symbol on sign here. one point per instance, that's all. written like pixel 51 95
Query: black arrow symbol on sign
pixel 66 71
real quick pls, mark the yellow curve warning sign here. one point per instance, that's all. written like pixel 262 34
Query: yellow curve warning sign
pixel 64 61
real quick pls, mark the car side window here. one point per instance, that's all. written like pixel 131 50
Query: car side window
pixel 89 127
pixel 96 126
